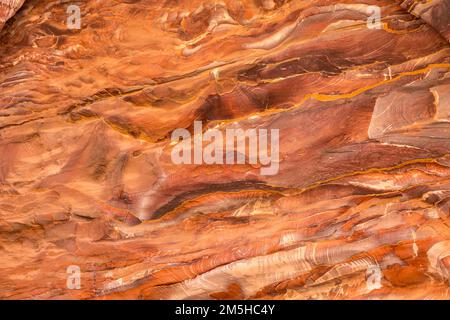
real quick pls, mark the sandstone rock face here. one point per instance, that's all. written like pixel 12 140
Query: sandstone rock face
pixel 358 208
pixel 7 9
pixel 435 13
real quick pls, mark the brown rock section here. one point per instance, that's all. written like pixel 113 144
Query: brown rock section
pixel 86 176
pixel 7 9
pixel 433 12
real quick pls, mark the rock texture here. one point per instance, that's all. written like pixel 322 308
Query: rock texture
pixel 86 176
pixel 435 13
pixel 7 9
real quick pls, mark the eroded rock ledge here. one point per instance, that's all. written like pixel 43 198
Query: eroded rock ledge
pixel 7 9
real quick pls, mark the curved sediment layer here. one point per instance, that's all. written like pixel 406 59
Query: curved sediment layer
pixel 87 178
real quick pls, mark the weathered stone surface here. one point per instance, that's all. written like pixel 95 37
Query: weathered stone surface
pixel 86 176
pixel 435 13
pixel 7 9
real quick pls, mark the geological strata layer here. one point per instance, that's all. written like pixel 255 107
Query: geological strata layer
pixel 86 176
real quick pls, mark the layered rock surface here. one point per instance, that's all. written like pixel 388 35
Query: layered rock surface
pixel 7 9
pixel 435 13
pixel 86 175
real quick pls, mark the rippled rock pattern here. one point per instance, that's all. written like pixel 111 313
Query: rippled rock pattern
pixel 358 210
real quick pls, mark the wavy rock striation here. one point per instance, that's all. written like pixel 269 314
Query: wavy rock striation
pixel 435 13
pixel 7 9
pixel 358 210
